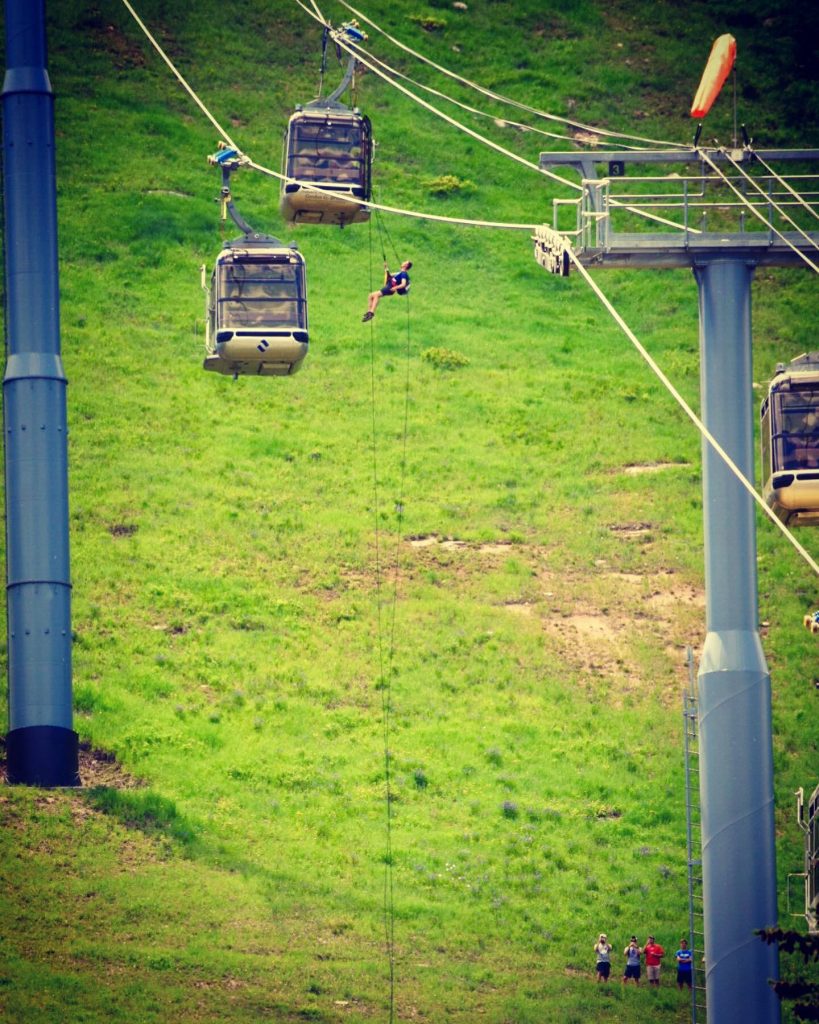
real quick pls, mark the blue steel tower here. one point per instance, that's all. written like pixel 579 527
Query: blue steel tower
pixel 706 230
pixel 42 747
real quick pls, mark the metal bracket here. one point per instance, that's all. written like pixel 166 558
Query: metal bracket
pixel 229 160
pixel 551 250
pixel 353 34
pixel 794 874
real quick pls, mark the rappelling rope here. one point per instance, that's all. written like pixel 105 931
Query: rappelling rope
pixel 399 509
pixel 386 670
pixel 383 233
pixel 384 681
pixel 380 228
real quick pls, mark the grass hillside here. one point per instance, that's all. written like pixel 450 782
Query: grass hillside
pixel 462 547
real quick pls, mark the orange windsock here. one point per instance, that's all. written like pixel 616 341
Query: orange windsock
pixel 723 55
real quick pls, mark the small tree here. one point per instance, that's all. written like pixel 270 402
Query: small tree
pixel 804 994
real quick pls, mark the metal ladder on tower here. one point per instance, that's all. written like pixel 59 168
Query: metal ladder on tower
pixel 696 940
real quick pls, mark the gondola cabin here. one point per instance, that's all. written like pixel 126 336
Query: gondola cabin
pixel 256 309
pixel 790 442
pixel 328 154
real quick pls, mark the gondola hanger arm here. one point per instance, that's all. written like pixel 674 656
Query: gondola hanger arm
pixel 353 34
pixel 230 160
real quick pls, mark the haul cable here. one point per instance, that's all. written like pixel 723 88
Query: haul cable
pixel 506 99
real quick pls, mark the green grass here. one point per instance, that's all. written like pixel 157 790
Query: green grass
pixel 432 515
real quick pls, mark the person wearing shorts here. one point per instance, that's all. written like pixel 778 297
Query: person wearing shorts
pixel 685 965
pixel 603 950
pixel 394 284
pixel 654 954
pixel 632 954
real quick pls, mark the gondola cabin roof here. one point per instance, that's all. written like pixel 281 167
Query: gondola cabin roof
pixel 327 161
pixel 802 369
pixel 257 309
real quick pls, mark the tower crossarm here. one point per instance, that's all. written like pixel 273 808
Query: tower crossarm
pixel 676 208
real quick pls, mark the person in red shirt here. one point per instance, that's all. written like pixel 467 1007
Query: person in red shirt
pixel 654 954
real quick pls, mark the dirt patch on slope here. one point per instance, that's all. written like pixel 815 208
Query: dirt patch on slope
pixel 638 468
pixel 101 768
pixel 432 540
pixel 97 768
pixel 628 627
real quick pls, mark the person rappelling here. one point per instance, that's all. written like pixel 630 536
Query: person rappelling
pixel 394 284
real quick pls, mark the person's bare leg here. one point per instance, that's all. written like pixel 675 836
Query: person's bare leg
pixel 372 305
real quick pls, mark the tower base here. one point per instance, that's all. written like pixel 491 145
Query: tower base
pixel 43 755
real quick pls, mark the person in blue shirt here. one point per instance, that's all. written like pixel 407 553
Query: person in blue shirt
pixel 685 965
pixel 394 284
pixel 632 953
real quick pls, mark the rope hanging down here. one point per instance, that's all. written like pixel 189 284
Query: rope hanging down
pixel 386 671
pixel 382 234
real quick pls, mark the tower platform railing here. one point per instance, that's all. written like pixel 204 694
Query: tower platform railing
pixel 703 200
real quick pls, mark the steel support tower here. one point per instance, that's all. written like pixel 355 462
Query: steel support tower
pixel 707 225
pixel 41 744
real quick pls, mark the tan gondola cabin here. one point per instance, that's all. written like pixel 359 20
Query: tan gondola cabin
pixel 328 151
pixel 256 309
pixel 789 435
pixel 328 156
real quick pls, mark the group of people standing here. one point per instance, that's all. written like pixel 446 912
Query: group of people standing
pixel 652 952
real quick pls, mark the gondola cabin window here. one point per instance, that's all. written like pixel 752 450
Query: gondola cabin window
pixel 795 433
pixel 789 435
pixel 253 292
pixel 326 152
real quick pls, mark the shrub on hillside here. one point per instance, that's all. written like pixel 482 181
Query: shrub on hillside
pixel 448 185
pixel 444 358
pixel 429 22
